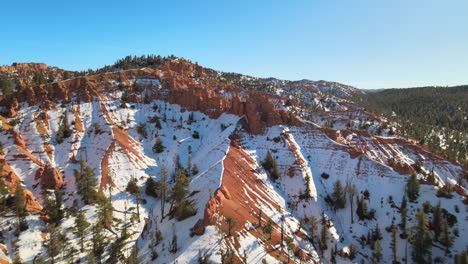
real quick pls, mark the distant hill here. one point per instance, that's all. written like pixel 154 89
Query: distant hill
pixel 433 115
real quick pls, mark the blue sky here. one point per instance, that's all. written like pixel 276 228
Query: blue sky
pixel 366 43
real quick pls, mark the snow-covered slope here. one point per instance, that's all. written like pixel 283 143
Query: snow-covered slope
pixel 242 214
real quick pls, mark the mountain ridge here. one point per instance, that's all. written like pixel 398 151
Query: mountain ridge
pixel 253 152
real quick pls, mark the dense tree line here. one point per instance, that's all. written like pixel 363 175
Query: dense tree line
pixel 425 113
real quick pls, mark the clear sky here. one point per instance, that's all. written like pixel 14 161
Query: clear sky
pixel 366 43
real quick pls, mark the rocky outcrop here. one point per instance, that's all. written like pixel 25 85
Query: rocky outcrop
pixel 50 177
pixel 12 180
pixel 23 69
pixel 184 83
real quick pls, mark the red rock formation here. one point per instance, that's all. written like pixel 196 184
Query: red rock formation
pixel 187 85
pixel 50 177
pixel 12 180
pixel 240 202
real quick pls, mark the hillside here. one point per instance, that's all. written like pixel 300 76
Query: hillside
pixel 435 116
pixel 168 162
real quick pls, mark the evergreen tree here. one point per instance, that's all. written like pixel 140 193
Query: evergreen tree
pixel 53 207
pixel 268 228
pixel 271 166
pixel 431 178
pixel 163 190
pixel 194 169
pixel 181 208
pixel 412 188
pixel 86 183
pixel 462 258
pixel 174 247
pixel 421 239
pixel 445 237
pixel 133 258
pixel 99 242
pixel 361 210
pixel 64 130
pixel 5 86
pixel 105 211
pixel 394 245
pixel 437 220
pixel 158 146
pixel 81 226
pixel 54 242
pixel 231 223
pixel 20 206
pixel 377 234
pixel 403 212
pixel 132 187
pixel 259 218
pixel 351 189
pixel 377 252
pixel 324 237
pixel 338 195
pixel 38 78
pixel 151 187
pixel 116 254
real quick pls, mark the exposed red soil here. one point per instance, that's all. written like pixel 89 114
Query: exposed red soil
pixel 42 122
pixel 240 201
pixel 12 180
pixel 78 123
pixel 5 251
pixel 105 168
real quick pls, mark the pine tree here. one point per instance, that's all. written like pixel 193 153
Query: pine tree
pixel 64 130
pixel 412 188
pixel 132 187
pixel 53 207
pixel 163 189
pixel 81 226
pixel 5 86
pixel 181 208
pixel 403 212
pixel 445 237
pixel 437 220
pixel 158 146
pixel 133 258
pixel 231 223
pixel 194 170
pixel 268 228
pixel 105 211
pixel 99 242
pixel 271 166
pixel 377 252
pixel 324 237
pixel 20 205
pixel 116 254
pixel 313 223
pixel 361 210
pixel 377 234
pixel 462 258
pixel 259 218
pixel 54 242
pixel 86 183
pixel 421 239
pixel 394 245
pixel 174 247
pixel 351 189
pixel 431 178
pixel 338 195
